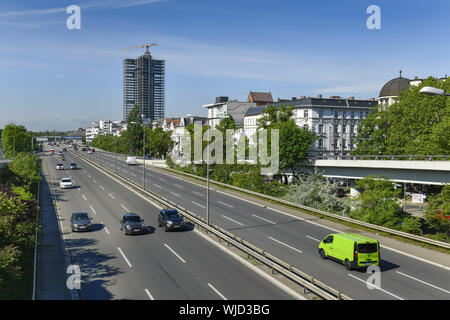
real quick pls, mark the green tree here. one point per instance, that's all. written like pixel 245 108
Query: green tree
pixel 377 202
pixel 159 141
pixel 134 132
pixel 16 139
pixel 437 214
pixel 416 124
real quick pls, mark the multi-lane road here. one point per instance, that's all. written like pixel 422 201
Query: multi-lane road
pixel 156 265
pixel 290 238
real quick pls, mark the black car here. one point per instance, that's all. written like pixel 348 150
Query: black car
pixel 131 223
pixel 80 221
pixel 171 219
pixel 340 193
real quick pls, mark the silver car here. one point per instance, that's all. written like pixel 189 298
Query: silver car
pixel 66 183
pixel 80 221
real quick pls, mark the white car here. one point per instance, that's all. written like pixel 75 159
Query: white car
pixel 89 151
pixel 59 166
pixel 66 183
pixel 131 161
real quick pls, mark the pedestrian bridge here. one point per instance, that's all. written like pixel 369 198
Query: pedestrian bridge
pixel 434 170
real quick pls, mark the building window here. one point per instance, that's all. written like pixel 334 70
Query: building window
pixel 344 143
pixel 335 128
pixel 352 129
pixel 344 114
pixel 360 114
pixel 344 128
pixel 320 143
pixel 320 113
pixel 352 114
pixel 320 128
pixel 305 127
pixel 305 113
pixel 336 113
pixel 335 143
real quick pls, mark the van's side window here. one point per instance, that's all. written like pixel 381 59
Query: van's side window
pixel 329 239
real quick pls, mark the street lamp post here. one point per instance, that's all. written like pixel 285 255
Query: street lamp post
pixel 432 91
pixel 143 152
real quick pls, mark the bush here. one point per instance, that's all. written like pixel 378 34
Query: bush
pixel 411 225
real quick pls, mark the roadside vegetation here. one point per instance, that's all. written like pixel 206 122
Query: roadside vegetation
pixel 18 212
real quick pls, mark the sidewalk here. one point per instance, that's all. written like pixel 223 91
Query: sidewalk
pixel 51 266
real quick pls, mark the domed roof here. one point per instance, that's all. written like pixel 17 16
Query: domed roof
pixel 394 87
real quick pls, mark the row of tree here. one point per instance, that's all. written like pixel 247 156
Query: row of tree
pixel 18 211
pixel 16 139
pixel 416 124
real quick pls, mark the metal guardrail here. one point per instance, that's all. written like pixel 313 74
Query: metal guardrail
pixel 277 265
pixel 328 214
pixel 382 157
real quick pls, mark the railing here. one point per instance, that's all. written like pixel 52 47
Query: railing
pixel 382 157
pixel 277 266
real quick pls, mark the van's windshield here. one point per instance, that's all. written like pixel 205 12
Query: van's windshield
pixel 367 247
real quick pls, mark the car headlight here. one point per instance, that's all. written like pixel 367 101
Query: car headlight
pixel 75 225
pixel 169 222
pixel 128 226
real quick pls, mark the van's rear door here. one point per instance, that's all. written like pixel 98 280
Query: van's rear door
pixel 367 252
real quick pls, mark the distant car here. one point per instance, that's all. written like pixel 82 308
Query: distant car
pixel 64 149
pixel 340 193
pixel 73 166
pixel 89 151
pixel 170 219
pixel 80 221
pixel 131 161
pixel 83 149
pixel 66 183
pixel 132 223
pixel 93 150
pixel 52 151
pixel 59 166
pixel 147 157
pixel 60 154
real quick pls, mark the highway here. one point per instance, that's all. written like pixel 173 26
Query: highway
pixel 292 239
pixel 157 265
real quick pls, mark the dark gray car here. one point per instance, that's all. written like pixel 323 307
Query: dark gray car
pixel 171 219
pixel 131 223
pixel 80 221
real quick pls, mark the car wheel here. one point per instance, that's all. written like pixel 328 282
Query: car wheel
pixel 322 254
pixel 348 265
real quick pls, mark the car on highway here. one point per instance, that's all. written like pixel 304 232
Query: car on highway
pixel 89 151
pixel 80 221
pixel 73 166
pixel 131 223
pixel 52 151
pixel 131 161
pixel 353 250
pixel 170 219
pixel 66 183
pixel 59 166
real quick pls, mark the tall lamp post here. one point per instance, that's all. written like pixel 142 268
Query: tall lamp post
pixel 432 91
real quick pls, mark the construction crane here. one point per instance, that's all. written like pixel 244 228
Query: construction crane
pixel 146 46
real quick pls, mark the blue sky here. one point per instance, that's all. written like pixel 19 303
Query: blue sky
pixel 55 78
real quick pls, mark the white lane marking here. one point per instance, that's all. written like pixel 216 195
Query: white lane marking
pixel 134 175
pixel 111 195
pixel 101 187
pixel 162 179
pixel 225 204
pixel 198 204
pixel 106 229
pixel 313 238
pixel 404 274
pixel 128 262
pixel 200 194
pixel 263 219
pixel 149 294
pixel 376 287
pixel 284 244
pixel 89 176
pixel 85 172
pixel 93 210
pixel 70 176
pixel 95 181
pixel 125 208
pixel 175 194
pixel 217 291
pixel 157 186
pixel 84 197
pixel 233 220
pixel 177 185
pixel 174 253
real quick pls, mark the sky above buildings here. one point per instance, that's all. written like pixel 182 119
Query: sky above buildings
pixel 55 78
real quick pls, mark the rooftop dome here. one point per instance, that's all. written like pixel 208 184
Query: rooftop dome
pixel 394 87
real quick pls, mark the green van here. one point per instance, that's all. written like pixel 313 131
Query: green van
pixel 353 250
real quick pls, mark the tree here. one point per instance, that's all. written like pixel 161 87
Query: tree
pixel 294 143
pixel 16 139
pixel 134 132
pixel 159 141
pixel 26 166
pixel 377 202
pixel 437 214
pixel 416 124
